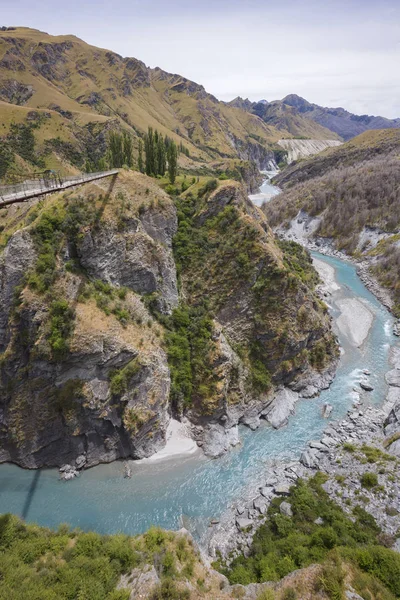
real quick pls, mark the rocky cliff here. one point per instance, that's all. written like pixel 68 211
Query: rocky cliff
pixel 98 347
pixel 83 372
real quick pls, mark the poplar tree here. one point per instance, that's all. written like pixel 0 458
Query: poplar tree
pixel 128 148
pixel 116 150
pixel 140 156
pixel 161 156
pixel 172 161
pixel 149 151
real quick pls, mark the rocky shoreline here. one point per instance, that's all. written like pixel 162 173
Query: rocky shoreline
pixel 234 532
pixel 365 441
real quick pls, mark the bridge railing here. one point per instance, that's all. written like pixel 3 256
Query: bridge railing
pixel 38 187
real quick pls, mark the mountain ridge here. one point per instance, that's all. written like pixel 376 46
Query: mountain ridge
pixel 339 121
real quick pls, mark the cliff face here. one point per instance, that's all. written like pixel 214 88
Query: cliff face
pixel 83 373
pixel 98 349
pixel 268 327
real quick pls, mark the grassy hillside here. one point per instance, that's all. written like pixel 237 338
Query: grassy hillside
pixel 355 190
pixel 80 92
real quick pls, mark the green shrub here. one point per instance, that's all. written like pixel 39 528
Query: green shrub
pixel 369 480
pixel 61 326
pixel 120 379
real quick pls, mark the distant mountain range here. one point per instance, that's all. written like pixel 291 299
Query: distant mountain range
pixel 302 118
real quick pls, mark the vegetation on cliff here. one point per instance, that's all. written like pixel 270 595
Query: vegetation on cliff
pixel 41 564
pixel 233 274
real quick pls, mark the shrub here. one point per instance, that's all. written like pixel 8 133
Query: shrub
pixel 369 480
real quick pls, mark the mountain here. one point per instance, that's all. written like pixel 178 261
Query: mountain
pixel 339 120
pixel 349 195
pixel 285 118
pixel 301 118
pixel 69 95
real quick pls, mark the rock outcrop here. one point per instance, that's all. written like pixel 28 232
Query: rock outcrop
pixel 106 396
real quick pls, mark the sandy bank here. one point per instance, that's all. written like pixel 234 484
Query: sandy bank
pixel 327 274
pixel 355 320
pixel 178 443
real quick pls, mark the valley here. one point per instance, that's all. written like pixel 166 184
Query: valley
pixel 199 354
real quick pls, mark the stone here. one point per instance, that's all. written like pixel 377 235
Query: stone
pixel 240 509
pixel 351 595
pixel 318 446
pixel 328 441
pixel 280 409
pixel 393 377
pixel 80 461
pixel 285 508
pixel 271 481
pixel 282 489
pixel 260 505
pixel 319 521
pixel 366 386
pixel 243 523
pixel 266 492
pixel 327 410
pixel 309 459
pixel 394 448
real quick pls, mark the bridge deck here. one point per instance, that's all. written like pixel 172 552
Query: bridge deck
pixel 10 194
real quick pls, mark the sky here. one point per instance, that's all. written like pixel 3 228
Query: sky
pixel 332 52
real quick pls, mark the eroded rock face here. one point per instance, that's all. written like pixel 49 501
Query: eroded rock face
pixel 107 395
pixel 139 257
pixel 17 258
pixel 54 413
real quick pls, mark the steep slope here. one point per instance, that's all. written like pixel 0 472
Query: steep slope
pixel 233 276
pixel 353 195
pixel 338 120
pixel 80 87
pixel 94 334
pixel 304 148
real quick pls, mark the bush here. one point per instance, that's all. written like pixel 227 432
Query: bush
pixel 40 564
pixel 369 480
pixel 61 326
pixel 168 590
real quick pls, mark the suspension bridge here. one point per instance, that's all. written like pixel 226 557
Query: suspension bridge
pixel 45 183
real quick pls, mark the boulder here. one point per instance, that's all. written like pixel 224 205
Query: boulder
pixel 285 509
pixel 243 523
pixel 365 385
pixel 282 489
pixel 260 505
pixel 308 459
pixel 393 377
pixel 80 461
pixel 280 409
pixel 327 410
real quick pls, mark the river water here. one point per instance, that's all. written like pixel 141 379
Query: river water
pixel 267 190
pixel 191 490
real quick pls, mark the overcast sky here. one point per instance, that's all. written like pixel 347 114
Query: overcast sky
pixel 331 52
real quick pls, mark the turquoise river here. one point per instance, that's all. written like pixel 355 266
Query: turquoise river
pixel 193 489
